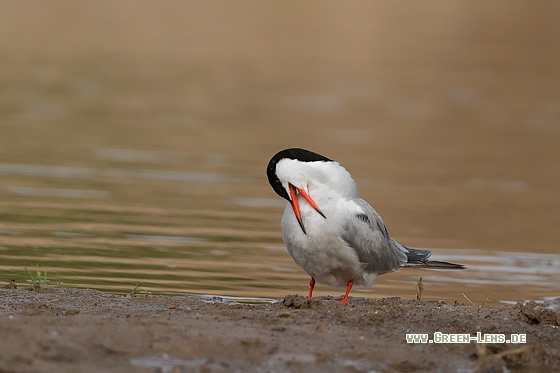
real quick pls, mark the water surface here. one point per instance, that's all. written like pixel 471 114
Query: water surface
pixel 137 153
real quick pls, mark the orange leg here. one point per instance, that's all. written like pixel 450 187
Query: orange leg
pixel 311 286
pixel 345 298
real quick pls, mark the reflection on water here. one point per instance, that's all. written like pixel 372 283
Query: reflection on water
pixel 138 152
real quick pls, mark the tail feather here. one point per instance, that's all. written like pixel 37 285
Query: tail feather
pixel 417 258
pixel 416 255
pixel 433 264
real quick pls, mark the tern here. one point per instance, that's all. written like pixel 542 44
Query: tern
pixel 333 234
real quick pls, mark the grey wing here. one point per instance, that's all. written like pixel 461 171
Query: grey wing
pixel 367 234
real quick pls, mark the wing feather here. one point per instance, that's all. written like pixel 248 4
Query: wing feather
pixel 367 234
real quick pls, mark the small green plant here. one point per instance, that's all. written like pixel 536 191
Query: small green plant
pixel 419 286
pixel 138 292
pixel 483 304
pixel 40 278
pixel 485 301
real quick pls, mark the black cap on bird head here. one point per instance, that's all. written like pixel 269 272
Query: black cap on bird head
pixel 301 155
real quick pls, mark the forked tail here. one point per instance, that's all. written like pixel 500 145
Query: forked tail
pixel 417 258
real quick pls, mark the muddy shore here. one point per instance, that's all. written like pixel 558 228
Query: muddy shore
pixel 57 329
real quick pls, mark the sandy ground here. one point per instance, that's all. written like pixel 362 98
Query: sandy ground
pixel 56 329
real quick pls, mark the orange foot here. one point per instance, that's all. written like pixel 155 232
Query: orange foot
pixel 311 286
pixel 345 298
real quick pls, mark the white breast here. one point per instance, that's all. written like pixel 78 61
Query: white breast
pixel 322 252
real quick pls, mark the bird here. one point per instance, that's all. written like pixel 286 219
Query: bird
pixel 334 235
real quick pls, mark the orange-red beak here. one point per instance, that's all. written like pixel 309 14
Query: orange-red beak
pixel 295 204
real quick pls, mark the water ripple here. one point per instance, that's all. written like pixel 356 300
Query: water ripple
pixel 85 172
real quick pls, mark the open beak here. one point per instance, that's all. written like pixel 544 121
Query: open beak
pixel 295 204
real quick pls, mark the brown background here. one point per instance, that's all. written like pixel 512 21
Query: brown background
pixel 446 114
